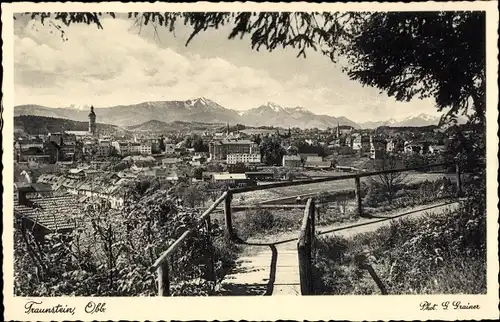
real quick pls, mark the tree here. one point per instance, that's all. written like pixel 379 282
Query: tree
pixel 198 144
pixel 271 150
pixel 198 173
pixel 161 144
pixel 257 139
pixel 388 183
pixel 403 54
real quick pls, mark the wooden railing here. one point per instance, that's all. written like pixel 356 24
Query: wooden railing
pixel 305 248
pixel 161 264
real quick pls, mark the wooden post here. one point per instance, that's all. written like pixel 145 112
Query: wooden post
pixel 163 280
pixel 211 273
pixel 358 196
pixel 304 269
pixel 377 280
pixel 227 213
pixel 312 214
pixel 459 180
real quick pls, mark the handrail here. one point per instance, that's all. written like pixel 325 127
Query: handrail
pixel 336 178
pixel 307 227
pixel 186 234
pixel 305 223
pixel 304 248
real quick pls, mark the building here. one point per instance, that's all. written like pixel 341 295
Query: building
pixel 104 148
pixel 169 148
pixel 53 150
pixel 45 214
pixel 92 122
pixel 243 158
pixel 411 147
pixel 391 146
pixel 26 144
pixel 230 179
pixel 377 148
pixel 260 176
pixel 126 148
pixel 317 163
pixel 219 150
pixel 436 149
pixel 292 161
pixel 145 148
pixel 356 142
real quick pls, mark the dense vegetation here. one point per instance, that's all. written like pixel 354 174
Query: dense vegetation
pixel 111 252
pixel 436 254
pixel 33 124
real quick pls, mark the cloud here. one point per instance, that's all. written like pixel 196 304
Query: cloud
pixel 117 66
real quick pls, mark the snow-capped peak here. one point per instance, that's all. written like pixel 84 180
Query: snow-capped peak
pixel 427 117
pixel 275 107
pixel 298 109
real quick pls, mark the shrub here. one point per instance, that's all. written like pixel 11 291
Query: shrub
pixel 440 253
pixel 112 253
pixel 262 221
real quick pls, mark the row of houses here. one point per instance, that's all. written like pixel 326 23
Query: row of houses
pixel 306 161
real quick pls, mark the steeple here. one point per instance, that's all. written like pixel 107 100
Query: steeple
pixel 338 129
pixel 92 124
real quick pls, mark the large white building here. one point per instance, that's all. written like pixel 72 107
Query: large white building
pixel 243 158
pixel 125 148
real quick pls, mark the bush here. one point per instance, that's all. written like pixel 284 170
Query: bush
pixel 262 221
pixel 435 254
pixel 112 252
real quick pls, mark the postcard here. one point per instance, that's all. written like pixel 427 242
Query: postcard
pixel 250 161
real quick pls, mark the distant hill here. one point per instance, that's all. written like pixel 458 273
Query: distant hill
pixel 199 110
pixel 32 124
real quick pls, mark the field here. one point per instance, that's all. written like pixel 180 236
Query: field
pixel 278 193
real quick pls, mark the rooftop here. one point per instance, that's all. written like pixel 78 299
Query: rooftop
pixel 52 213
pixel 229 176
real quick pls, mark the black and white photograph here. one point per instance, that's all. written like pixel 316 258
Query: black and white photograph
pixel 251 153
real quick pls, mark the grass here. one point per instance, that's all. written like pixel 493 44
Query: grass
pixel 433 254
pixel 262 195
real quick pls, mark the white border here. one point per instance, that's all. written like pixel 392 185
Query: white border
pixel 258 308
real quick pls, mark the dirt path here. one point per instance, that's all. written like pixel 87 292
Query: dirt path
pixel 270 265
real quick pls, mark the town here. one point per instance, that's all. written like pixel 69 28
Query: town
pixel 87 164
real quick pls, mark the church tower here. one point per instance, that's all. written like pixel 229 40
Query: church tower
pixel 92 125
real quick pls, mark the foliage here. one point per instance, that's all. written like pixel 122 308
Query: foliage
pixel 196 142
pixel 192 194
pixel 271 150
pixel 34 124
pixel 387 183
pixel 161 144
pixel 408 194
pixel 111 252
pixel 414 160
pixel 262 221
pixel 412 65
pixel 435 254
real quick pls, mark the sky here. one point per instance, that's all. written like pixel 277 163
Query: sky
pixel 122 64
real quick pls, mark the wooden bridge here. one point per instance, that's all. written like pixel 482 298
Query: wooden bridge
pixel 284 267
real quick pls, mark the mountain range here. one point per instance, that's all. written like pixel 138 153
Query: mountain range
pixel 409 121
pixel 204 110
